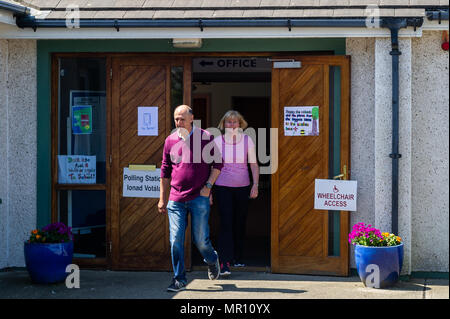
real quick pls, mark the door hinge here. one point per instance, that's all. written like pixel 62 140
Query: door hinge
pixel 110 246
pixel 110 73
pixel 110 159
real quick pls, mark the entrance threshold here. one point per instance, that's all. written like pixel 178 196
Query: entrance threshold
pixel 237 269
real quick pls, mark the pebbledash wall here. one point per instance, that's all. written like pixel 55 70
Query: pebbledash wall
pixel 18 148
pixel 424 145
pixel 424 132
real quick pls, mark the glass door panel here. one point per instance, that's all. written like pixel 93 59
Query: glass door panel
pixel 81 152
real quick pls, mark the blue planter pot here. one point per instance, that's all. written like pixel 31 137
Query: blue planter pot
pixel 46 263
pixel 379 267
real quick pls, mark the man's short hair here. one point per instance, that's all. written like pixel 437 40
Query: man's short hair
pixel 190 111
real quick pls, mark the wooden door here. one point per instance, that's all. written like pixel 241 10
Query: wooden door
pixel 140 235
pixel 300 234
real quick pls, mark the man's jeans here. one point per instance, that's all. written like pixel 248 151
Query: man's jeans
pixel 178 213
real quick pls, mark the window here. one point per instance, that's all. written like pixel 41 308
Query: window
pixel 81 153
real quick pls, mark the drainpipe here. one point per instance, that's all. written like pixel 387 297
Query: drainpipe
pixel 394 25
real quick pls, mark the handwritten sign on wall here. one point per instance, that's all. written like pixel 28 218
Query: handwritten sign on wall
pixel 77 169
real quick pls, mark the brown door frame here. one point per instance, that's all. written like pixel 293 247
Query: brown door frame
pixel 107 262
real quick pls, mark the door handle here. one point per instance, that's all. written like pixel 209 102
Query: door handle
pixel 342 176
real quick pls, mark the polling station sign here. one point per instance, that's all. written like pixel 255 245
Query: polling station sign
pixel 333 194
pixel 141 183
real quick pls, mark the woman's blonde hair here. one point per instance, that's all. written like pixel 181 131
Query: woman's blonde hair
pixel 233 114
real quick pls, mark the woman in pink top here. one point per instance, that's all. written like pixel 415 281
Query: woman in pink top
pixel 232 187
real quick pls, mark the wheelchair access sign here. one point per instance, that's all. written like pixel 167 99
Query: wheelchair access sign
pixel 333 194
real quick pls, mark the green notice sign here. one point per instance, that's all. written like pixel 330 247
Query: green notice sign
pixel 82 119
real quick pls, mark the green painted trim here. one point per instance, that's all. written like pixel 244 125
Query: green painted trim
pixel 209 45
pixel 46 47
pixel 337 154
pixel 43 71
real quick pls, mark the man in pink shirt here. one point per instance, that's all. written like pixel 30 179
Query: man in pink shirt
pixel 187 176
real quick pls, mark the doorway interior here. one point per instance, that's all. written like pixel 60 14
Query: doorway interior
pixel 243 84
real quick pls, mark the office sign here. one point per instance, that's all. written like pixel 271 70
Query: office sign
pixel 333 194
pixel 232 64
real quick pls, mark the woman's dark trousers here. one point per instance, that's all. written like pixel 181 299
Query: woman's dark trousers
pixel 233 207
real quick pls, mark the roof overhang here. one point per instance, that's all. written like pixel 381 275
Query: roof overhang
pixel 37 26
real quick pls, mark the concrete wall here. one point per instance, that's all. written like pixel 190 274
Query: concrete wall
pixel 430 149
pixel 424 132
pixel 18 155
pixel 3 152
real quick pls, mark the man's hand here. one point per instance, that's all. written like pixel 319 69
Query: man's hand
pixel 205 191
pixel 164 195
pixel 162 207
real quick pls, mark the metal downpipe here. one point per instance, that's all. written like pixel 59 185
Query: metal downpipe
pixel 394 26
pixel 395 53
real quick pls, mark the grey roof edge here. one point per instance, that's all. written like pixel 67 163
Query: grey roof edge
pixel 426 7
pixel 14 8
pixel 24 19
pixel 437 14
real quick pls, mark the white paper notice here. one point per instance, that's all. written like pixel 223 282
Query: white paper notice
pixel 333 194
pixel 147 121
pixel 141 183
pixel 301 121
pixel 76 169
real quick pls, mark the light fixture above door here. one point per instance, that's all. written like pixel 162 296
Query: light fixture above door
pixel 187 43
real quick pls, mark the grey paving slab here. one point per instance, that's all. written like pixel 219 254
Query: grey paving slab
pixel 99 284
